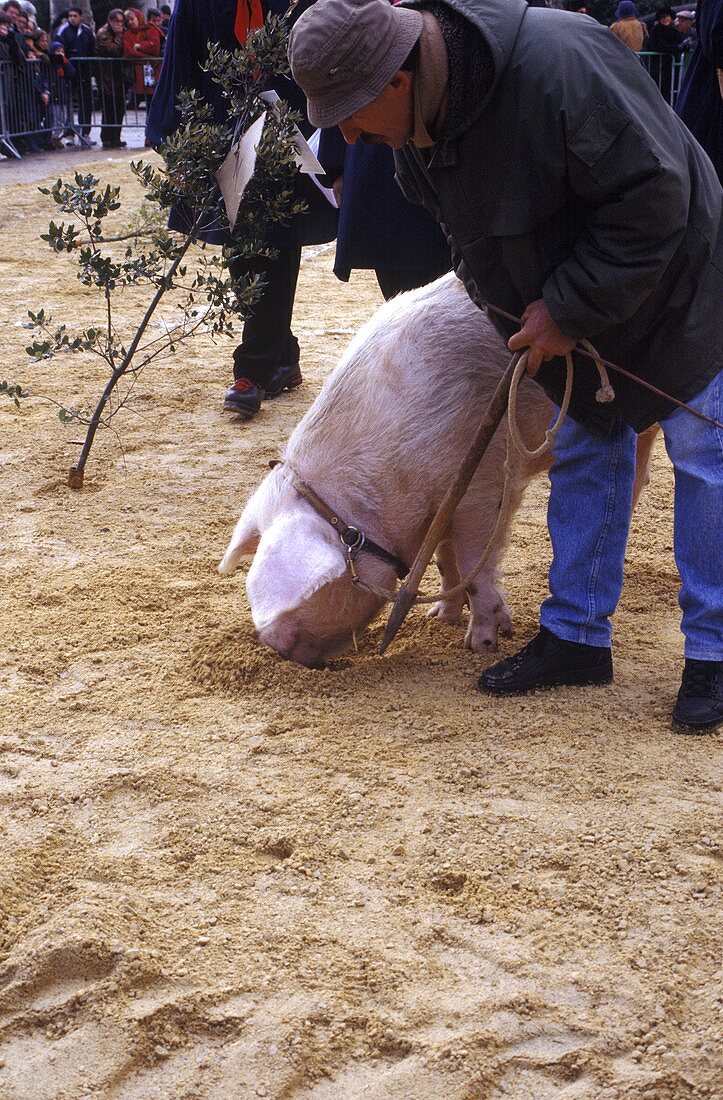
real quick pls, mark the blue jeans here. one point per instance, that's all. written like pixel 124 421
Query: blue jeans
pixel 589 517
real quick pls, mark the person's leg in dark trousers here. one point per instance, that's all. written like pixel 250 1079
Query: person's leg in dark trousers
pixel 85 97
pixel 268 356
pixel 113 103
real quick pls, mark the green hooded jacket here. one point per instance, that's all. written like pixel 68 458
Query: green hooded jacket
pixel 567 177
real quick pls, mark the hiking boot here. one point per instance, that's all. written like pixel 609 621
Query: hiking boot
pixel 244 398
pixel 699 706
pixel 548 661
pixel 283 378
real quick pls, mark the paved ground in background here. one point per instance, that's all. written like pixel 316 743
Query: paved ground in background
pixel 37 166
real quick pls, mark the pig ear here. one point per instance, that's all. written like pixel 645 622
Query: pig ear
pixel 244 540
pixel 294 559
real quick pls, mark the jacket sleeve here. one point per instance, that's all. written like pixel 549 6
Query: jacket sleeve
pixel 182 59
pixel 637 187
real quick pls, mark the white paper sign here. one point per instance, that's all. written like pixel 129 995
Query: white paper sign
pixel 305 159
pixel 238 168
pixel 326 191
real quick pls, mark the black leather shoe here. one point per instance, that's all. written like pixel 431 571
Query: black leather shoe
pixel 699 706
pixel 244 398
pixel 283 378
pixel 547 661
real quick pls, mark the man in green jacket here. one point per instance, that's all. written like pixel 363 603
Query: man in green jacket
pixel 574 199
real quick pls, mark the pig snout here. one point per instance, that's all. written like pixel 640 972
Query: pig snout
pixel 294 643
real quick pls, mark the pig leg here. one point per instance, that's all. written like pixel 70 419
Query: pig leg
pixel 643 460
pixel 473 526
pixel 449 611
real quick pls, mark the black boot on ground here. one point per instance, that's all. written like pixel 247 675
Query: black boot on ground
pixel 244 398
pixel 548 661
pixel 283 378
pixel 699 706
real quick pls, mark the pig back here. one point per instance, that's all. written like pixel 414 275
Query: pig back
pixel 393 421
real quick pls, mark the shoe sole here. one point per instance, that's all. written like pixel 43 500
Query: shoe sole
pixel 245 414
pixel 290 385
pixel 584 678
pixel 691 731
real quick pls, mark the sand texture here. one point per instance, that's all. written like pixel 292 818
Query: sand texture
pixel 225 876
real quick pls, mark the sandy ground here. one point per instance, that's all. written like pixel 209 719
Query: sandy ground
pixel 222 875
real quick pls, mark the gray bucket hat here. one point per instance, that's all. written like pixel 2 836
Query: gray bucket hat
pixel 343 53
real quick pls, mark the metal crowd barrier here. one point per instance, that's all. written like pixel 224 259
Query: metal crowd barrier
pixel 666 71
pixel 105 93
pixel 38 108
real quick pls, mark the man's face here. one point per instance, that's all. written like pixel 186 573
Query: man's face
pixel 14 13
pixel 74 18
pixel 388 119
pixel 684 25
pixel 155 20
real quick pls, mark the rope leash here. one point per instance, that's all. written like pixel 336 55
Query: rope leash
pixel 585 348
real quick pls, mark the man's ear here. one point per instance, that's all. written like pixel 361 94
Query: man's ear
pixel 402 80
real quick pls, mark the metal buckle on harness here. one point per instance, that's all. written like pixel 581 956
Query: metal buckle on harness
pixel 352 540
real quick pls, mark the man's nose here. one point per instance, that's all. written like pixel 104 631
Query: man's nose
pixel 350 131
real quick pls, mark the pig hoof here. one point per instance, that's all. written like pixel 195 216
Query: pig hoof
pixel 447 612
pixel 481 639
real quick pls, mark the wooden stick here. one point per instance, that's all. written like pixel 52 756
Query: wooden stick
pixel 490 422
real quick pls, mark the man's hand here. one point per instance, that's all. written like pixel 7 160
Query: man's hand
pixel 337 187
pixel 541 335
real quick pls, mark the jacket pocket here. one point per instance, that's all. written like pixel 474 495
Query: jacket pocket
pixel 597 133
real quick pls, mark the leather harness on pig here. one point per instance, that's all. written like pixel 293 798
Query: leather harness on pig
pixel 353 538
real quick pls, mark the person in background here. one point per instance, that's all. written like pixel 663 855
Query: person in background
pixel 79 45
pixel 665 42
pixel 628 28
pixel 266 362
pixel 16 16
pixel 165 10
pixel 111 79
pixel 700 103
pixel 141 40
pixel 61 91
pixel 685 26
pixel 155 19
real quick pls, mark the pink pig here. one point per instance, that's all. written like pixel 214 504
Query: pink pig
pixel 380 446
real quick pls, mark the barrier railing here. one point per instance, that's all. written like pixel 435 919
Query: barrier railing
pixel 38 106
pixel 666 71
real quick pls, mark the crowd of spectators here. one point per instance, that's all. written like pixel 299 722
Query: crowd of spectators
pixel 52 81
pixel 76 69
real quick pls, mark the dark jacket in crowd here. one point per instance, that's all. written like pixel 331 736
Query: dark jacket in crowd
pixel 559 173
pixel 77 41
pixel 10 49
pixel 109 43
pixel 699 103
pixel 193 24
pixel 378 228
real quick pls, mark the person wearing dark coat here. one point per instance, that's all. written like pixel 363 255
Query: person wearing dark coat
pixel 79 44
pixel 700 103
pixel 267 361
pixel 111 79
pixel 378 228
pixel 576 200
pixel 665 43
